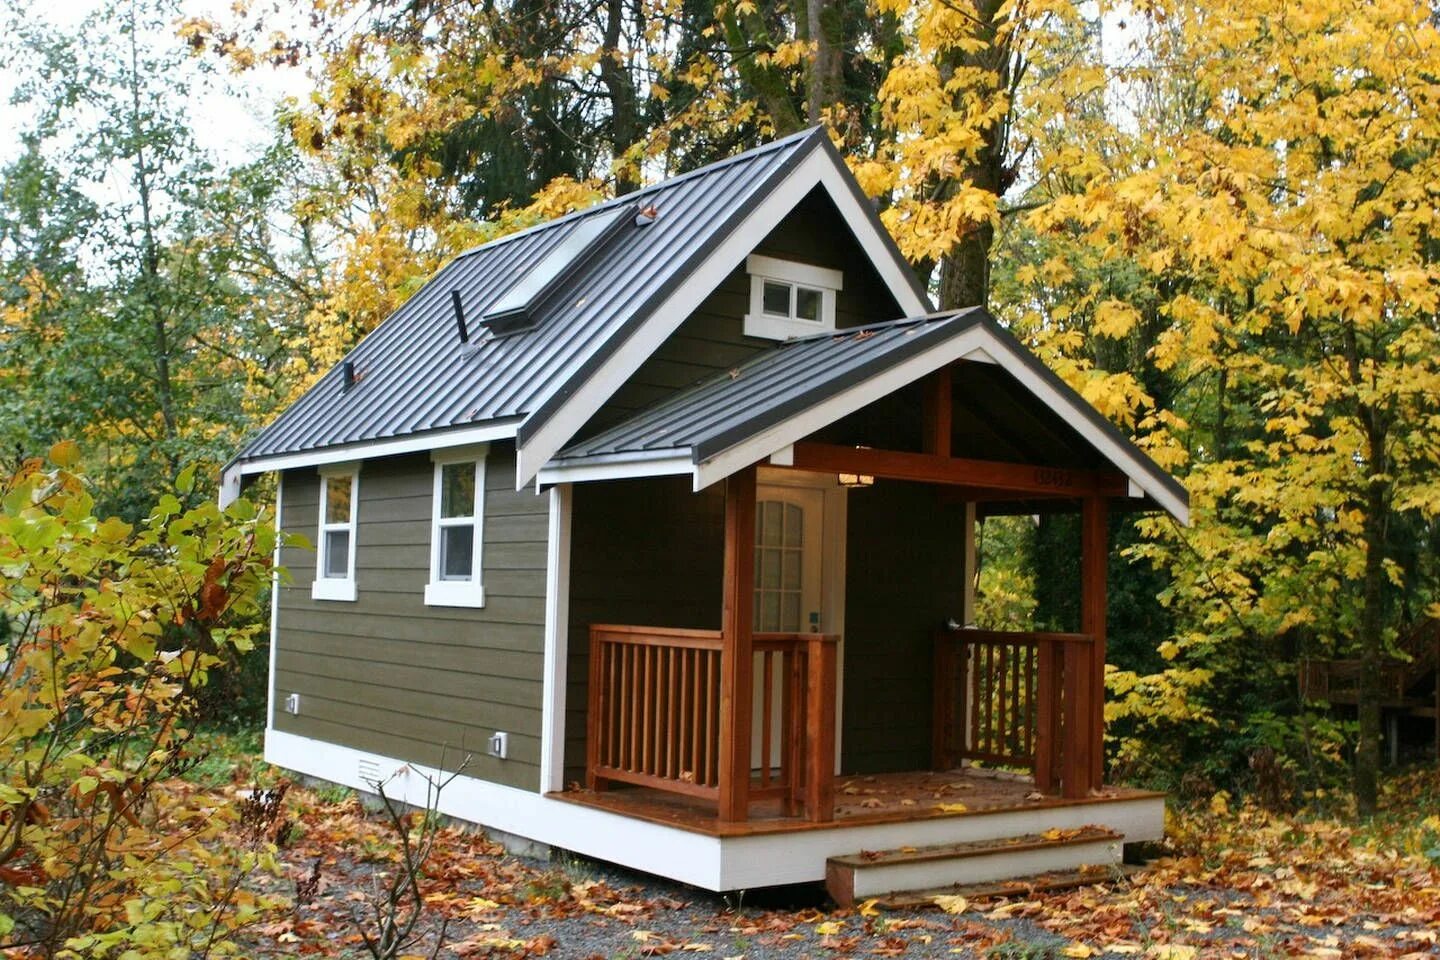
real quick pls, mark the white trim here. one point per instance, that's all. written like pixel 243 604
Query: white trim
pixel 1107 445
pixel 370 449
pixel 663 463
pixel 784 457
pixel 665 851
pixel 274 603
pixel 231 482
pixel 440 592
pixel 766 443
pixel 793 276
pixel 772 859
pixel 847 401
pixel 712 863
pixel 336 588
pixel 557 641
pixel 817 167
pixel 793 271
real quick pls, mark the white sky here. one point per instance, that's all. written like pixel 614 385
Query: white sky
pixel 231 114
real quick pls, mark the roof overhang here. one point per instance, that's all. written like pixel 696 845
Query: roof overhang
pixel 767 436
pixel 233 475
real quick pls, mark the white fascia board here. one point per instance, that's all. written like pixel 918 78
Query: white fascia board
pixel 1066 405
pixel 665 463
pixel 370 449
pixel 964 346
pixel 847 401
pixel 681 855
pixel 818 167
pixel 231 481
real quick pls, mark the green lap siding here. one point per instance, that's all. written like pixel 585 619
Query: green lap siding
pixel 387 674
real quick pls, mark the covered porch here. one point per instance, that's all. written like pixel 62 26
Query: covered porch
pixel 706 706
pixel 739 726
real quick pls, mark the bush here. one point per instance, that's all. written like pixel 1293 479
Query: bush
pixel 112 631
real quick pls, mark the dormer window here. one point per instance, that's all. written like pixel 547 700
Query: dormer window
pixel 789 299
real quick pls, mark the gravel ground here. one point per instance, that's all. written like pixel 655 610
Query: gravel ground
pixel 579 909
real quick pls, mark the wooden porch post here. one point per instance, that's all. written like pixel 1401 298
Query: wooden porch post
pixel 737 626
pixel 1094 558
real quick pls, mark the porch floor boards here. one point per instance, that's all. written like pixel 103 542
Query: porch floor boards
pixel 859 800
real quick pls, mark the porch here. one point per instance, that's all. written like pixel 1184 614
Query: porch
pixel 744 720
pixel 839 696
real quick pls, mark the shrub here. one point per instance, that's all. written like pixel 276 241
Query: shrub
pixel 112 630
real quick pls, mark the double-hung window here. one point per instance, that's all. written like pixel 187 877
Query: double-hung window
pixel 456 533
pixel 789 299
pixel 335 546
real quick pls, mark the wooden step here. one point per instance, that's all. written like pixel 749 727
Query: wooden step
pixel 1019 887
pixel 870 874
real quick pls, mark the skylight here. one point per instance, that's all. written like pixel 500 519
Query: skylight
pixel 513 310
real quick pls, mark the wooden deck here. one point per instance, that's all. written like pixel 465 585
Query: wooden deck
pixel 859 801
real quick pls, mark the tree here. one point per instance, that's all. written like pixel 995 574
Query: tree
pixel 135 270
pixel 111 629
pixel 1285 233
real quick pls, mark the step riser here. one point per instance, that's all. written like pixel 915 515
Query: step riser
pixel 851 883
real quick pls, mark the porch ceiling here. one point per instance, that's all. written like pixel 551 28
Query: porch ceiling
pixel 1008 408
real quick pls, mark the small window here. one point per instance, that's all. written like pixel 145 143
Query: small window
pixel 790 299
pixel 335 560
pixel 455 538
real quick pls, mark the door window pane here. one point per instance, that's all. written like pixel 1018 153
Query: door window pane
pixel 779 558
pixel 457 551
pixel 457 490
pixel 776 298
pixel 337 500
pixel 337 553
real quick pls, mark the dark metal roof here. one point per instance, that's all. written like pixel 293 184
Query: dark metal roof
pixel 412 373
pixel 719 413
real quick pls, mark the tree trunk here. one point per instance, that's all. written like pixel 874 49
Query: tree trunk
pixel 965 271
pixel 748 35
pixel 624 112
pixel 1372 646
pixel 823 82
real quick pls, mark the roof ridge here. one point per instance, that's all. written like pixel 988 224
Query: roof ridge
pixel 707 169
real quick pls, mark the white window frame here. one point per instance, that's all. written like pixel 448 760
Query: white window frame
pixel 457 593
pixel 336 588
pixel 827 282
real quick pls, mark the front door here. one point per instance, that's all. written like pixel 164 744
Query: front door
pixel 789 527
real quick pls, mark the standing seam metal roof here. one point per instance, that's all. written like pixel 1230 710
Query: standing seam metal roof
pixel 725 409
pixel 412 373
pixel 795 375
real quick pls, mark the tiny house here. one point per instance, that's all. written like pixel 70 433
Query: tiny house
pixel 662 514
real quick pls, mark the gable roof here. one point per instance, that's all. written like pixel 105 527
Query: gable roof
pixel 780 396
pixel 416 386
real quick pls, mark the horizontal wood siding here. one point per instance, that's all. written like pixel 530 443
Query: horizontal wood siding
pixel 642 552
pixel 389 675
pixel 712 338
pixel 905 575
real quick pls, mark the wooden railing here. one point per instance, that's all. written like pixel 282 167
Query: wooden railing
pixel 654 715
pixel 1020 700
pixel 655 719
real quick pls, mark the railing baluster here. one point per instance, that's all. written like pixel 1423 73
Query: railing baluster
pixel 767 691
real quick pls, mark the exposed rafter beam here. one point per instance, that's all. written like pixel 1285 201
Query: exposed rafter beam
pixel 1029 479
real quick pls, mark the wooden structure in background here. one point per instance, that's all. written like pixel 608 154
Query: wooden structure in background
pixel 1411 685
